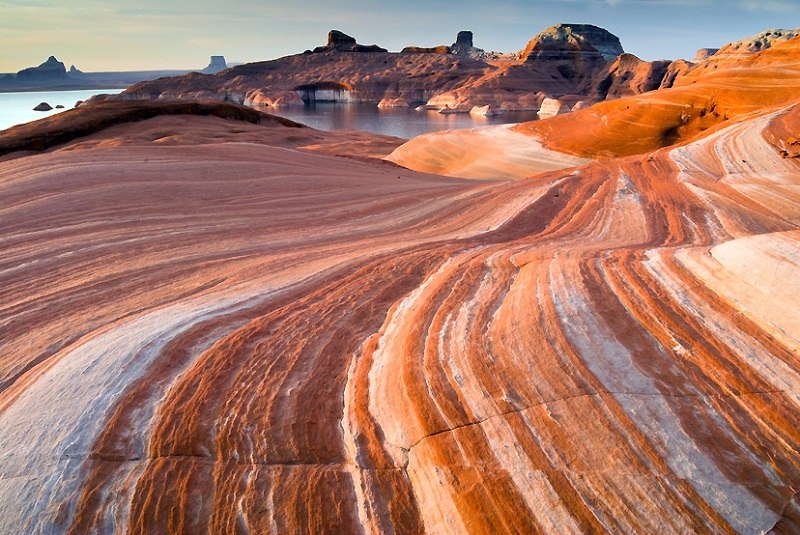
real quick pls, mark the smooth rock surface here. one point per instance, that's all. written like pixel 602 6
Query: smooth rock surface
pixel 209 328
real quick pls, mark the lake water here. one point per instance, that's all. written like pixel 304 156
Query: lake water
pixel 17 108
pixel 400 122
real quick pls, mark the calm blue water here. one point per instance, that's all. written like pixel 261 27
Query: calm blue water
pixel 17 108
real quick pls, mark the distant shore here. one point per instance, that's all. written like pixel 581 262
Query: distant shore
pixel 9 83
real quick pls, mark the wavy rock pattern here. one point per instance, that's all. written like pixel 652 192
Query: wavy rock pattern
pixel 238 338
pixel 489 152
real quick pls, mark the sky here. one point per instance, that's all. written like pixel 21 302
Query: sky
pixel 110 35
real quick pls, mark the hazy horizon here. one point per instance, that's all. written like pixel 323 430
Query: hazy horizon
pixel 150 35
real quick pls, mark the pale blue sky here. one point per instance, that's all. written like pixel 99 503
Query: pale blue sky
pixel 103 35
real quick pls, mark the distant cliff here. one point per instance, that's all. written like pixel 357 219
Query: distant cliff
pixel 341 70
pixel 570 66
pixel 216 65
pixel 52 69
pixel 574 62
pixel 53 75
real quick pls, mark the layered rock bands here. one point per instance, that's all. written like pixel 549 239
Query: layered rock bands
pixel 206 332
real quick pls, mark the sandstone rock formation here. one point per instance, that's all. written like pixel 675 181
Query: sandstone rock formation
pixel 50 69
pixel 570 41
pixel 393 103
pixel 275 340
pixel 704 97
pixel 551 107
pixel 338 71
pixel 278 341
pixel 464 46
pixel 759 42
pixel 628 75
pixel 571 62
pixel 259 99
pixel 704 53
pixel 485 111
pixel 341 42
pixel 439 49
pixel 216 64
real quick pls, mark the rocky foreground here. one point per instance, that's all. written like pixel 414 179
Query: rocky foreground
pixel 210 324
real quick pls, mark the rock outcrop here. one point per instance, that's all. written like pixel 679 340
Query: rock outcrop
pixel 551 107
pixel 628 75
pixel 42 106
pixel 393 103
pixel 49 70
pixel 464 46
pixel 563 62
pixel 216 65
pixel 759 42
pixel 440 49
pixel 570 62
pixel 702 99
pixel 704 53
pixel 572 41
pixel 340 71
pixel 341 42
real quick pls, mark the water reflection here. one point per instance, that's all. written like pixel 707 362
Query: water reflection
pixel 400 122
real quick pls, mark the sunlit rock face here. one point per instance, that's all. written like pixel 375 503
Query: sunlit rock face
pixel 567 41
pixel 759 42
pixel 627 75
pixel 568 61
pixel 571 62
pixel 207 329
pixel 369 73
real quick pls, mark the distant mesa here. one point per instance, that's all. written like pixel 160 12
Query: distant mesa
pixel 50 69
pixel 42 106
pixel 216 65
pixel 341 42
